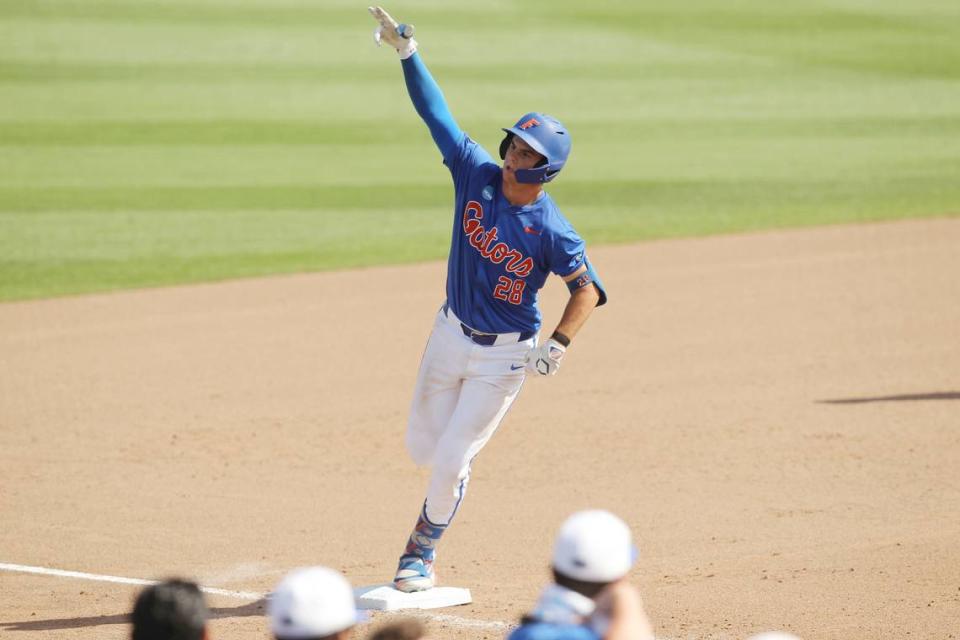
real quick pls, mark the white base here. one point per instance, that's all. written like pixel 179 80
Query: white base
pixel 384 597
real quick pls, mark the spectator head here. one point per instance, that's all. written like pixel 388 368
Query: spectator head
pixel 592 549
pixel 170 610
pixel 406 629
pixel 313 603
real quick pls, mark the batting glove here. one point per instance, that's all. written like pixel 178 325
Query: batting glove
pixel 398 36
pixel 545 358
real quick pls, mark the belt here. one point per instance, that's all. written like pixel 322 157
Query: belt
pixel 487 339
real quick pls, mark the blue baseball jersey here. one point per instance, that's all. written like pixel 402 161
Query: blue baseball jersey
pixel 501 254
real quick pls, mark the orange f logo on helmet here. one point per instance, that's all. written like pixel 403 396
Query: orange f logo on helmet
pixel 532 122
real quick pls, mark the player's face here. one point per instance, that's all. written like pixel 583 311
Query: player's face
pixel 519 155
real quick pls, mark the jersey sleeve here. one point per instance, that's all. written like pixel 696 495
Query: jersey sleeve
pixel 431 106
pixel 565 251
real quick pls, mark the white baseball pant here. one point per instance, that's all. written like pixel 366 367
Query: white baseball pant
pixel 462 393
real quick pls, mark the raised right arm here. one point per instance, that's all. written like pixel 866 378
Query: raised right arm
pixel 427 98
pixel 430 104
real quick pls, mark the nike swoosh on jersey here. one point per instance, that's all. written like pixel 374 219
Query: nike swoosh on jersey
pixel 514 367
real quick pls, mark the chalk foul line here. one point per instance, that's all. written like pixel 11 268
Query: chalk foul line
pixel 443 618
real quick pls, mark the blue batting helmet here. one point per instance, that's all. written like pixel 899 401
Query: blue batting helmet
pixel 548 137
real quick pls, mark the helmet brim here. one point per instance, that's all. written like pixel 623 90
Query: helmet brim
pixel 529 139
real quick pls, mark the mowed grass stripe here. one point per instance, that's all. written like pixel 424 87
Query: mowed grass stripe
pixel 14 72
pixel 213 15
pixel 63 252
pixel 133 235
pixel 224 198
pixel 30 279
pixel 296 133
pixel 205 132
pixel 761 200
pixel 785 17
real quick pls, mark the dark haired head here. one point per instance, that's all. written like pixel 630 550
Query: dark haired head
pixel 170 610
pixel 405 629
pixel 584 588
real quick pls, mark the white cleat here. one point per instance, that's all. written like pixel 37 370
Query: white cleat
pixel 414 574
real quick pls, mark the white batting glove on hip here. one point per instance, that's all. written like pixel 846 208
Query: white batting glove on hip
pixel 545 358
pixel 398 36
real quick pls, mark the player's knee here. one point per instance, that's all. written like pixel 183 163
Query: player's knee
pixel 449 470
pixel 420 448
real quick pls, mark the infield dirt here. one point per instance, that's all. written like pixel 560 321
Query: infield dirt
pixel 776 415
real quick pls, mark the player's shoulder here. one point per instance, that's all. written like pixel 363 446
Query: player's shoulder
pixel 471 153
pixel 535 630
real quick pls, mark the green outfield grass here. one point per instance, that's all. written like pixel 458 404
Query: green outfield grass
pixel 146 143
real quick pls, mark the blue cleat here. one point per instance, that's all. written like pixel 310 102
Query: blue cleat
pixel 415 571
pixel 414 574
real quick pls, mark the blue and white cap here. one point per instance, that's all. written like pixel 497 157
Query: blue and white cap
pixel 594 546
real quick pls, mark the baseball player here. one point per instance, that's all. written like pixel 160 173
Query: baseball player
pixel 508 236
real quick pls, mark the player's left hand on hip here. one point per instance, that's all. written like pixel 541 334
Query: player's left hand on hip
pixel 398 36
pixel 545 358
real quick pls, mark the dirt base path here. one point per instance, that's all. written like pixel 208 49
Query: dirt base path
pixel 776 415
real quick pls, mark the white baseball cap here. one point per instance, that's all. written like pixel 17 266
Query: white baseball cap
pixel 312 602
pixel 594 546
